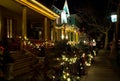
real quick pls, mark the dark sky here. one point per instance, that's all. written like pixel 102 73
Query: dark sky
pixel 100 6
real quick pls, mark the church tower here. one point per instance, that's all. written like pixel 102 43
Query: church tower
pixel 65 13
pixel 66 9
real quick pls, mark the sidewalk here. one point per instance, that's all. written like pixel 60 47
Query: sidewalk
pixel 101 70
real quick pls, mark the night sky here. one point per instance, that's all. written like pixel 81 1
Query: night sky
pixel 101 7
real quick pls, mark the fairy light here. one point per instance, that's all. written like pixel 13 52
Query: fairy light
pixel 68 79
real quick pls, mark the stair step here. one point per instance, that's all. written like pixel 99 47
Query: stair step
pixel 21 71
pixel 23 60
pixel 19 56
pixel 23 65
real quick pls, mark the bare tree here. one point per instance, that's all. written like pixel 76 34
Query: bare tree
pixel 98 23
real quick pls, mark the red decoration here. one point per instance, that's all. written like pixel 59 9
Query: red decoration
pixel 2 48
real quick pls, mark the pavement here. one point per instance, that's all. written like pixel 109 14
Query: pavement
pixel 102 69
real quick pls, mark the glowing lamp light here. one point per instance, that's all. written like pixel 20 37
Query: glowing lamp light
pixel 67 37
pixel 114 17
pixel 62 36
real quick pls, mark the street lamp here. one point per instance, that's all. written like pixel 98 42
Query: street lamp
pixel 114 20
pixel 114 17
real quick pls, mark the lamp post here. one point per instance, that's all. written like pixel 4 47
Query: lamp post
pixel 116 34
pixel 115 19
pixel 113 50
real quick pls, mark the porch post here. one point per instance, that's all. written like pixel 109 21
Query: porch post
pixel 54 30
pixel 77 37
pixel 24 24
pixel 0 24
pixel 45 29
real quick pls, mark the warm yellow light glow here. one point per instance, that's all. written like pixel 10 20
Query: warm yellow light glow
pixel 62 36
pixel 66 37
pixel 66 31
pixel 42 6
pixel 68 79
pixel 41 9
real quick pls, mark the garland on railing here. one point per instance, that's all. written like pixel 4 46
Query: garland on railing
pixel 37 45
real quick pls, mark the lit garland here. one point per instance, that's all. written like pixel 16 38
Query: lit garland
pixel 68 77
pixel 69 60
pixel 38 46
pixel 89 60
pixel 30 44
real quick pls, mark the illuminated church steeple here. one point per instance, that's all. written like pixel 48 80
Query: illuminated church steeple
pixel 66 9
pixel 65 13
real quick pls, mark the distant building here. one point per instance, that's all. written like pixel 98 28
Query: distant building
pixel 66 25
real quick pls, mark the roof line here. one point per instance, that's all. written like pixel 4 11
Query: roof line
pixel 40 9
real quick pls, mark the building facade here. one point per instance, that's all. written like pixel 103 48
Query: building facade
pixel 25 19
pixel 67 26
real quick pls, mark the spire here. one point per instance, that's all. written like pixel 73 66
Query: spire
pixel 66 9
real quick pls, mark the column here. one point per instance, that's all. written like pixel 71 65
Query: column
pixel 62 34
pixel 0 24
pixel 24 25
pixel 24 22
pixel 45 29
pixel 77 36
pixel 54 30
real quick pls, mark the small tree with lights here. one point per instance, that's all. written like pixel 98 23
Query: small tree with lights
pixel 63 63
